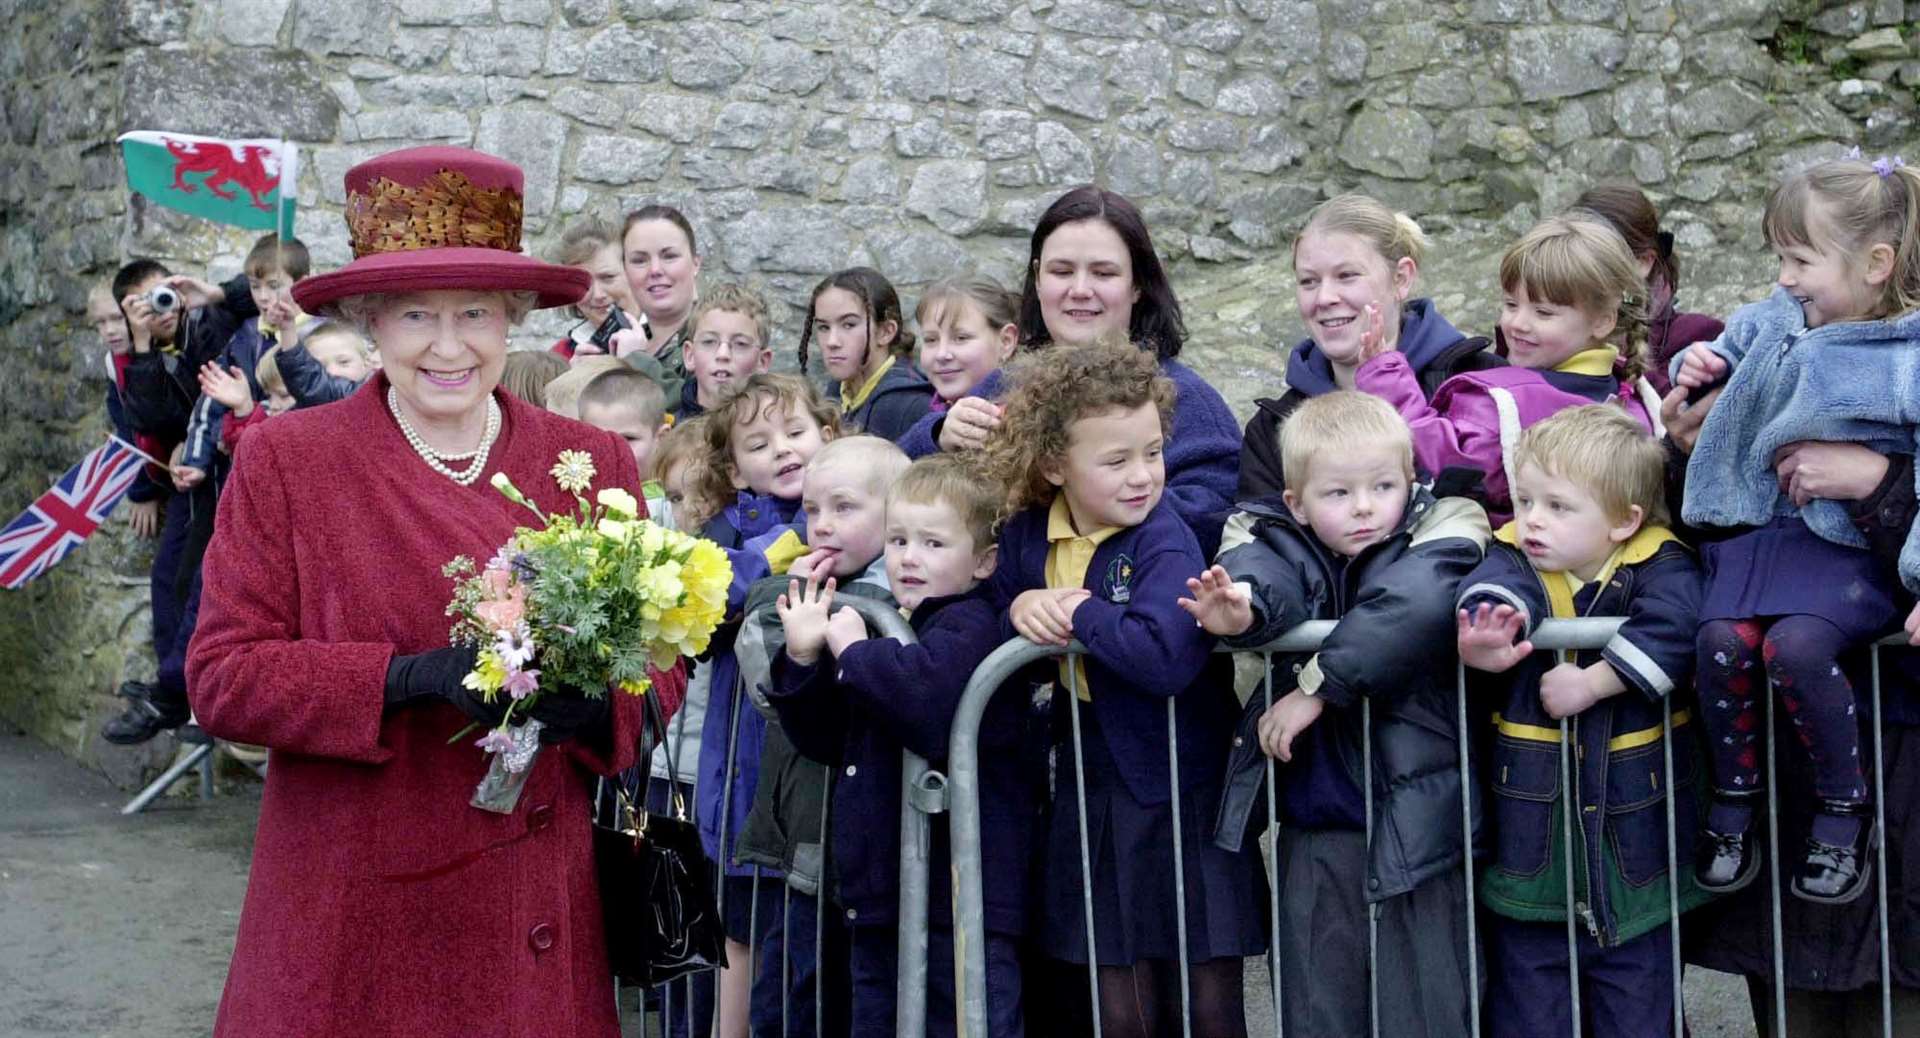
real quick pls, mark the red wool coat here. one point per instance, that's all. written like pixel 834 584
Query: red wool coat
pixel 380 902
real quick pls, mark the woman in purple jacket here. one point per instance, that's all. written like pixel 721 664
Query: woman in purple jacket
pixel 1092 271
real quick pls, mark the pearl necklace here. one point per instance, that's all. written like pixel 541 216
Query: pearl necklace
pixel 438 461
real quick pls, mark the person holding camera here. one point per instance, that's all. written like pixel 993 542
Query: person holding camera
pixel 175 325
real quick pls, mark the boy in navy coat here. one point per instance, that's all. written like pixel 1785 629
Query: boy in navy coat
pixel 875 697
pixel 1587 540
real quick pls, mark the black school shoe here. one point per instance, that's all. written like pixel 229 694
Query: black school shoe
pixel 1726 861
pixel 1835 873
pixel 142 720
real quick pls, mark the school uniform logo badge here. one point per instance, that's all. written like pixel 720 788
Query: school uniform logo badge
pixel 1119 577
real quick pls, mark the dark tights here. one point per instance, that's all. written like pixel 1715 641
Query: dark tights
pixel 1800 654
pixel 1143 1000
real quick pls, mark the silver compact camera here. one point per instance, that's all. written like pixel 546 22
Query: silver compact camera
pixel 163 299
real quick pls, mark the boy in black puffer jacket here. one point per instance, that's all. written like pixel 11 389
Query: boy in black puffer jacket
pixel 1355 540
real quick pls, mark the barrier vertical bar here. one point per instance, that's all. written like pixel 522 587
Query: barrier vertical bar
pixel 1273 864
pixel 1572 819
pixel 1373 909
pixel 1880 849
pixel 1466 853
pixel 820 923
pixel 1773 877
pixel 727 768
pixel 1179 870
pixel 963 765
pixel 1086 859
pixel 786 956
pixel 1673 873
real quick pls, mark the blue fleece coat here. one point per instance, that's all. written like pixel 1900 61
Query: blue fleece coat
pixel 1203 449
pixel 744 530
pixel 881 697
pixel 1141 647
pixel 1850 382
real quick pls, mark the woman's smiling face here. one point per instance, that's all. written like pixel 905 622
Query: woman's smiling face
pixel 443 350
pixel 1085 283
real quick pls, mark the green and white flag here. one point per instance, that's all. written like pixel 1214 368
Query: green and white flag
pixel 231 182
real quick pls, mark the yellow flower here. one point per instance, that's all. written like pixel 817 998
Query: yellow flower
pixel 612 528
pixel 488 674
pixel 574 471
pixel 636 688
pixel 618 503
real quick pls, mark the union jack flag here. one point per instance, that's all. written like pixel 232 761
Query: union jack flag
pixel 69 513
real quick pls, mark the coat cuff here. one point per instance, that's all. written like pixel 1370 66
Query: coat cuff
pixel 1636 668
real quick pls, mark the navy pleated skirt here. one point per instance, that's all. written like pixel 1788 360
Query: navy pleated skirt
pixel 1785 569
pixel 1131 851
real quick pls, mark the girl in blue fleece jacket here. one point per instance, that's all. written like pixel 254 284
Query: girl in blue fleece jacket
pixel 1831 355
pixel 1096 553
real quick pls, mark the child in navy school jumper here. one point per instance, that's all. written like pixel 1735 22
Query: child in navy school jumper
pixel 758 443
pixel 1094 552
pixel 1831 355
pixel 1589 539
pixel 877 697
pixel 855 317
pixel 1354 539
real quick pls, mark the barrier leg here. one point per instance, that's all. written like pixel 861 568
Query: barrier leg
pixel 1673 876
pixel 1466 853
pixel 786 960
pixel 910 997
pixel 720 867
pixel 1179 870
pixel 159 786
pixel 820 926
pixel 1086 860
pixel 1373 909
pixel 1880 852
pixel 1773 876
pixel 1273 867
pixel 1567 798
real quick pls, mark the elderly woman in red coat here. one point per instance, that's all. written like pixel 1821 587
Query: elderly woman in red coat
pixel 380 901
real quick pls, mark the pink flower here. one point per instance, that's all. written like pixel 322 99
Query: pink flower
pixel 495 741
pixel 505 612
pixel 522 683
pixel 499 582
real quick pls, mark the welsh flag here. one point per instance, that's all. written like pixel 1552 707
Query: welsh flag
pixel 231 182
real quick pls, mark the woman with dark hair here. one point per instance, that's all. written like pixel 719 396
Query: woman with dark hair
pixel 1092 271
pixel 1627 208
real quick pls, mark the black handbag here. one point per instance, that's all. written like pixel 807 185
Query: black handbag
pixel 656 898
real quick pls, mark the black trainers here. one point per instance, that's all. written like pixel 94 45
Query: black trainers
pixel 1836 873
pixel 1726 861
pixel 142 720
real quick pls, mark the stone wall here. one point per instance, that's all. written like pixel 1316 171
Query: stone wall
pixel 920 136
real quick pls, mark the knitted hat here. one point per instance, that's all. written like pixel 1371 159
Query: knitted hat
pixel 438 217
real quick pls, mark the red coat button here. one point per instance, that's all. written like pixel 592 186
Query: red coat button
pixel 540 937
pixel 540 817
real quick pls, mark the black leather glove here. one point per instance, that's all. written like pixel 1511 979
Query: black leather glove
pixel 570 714
pixel 438 675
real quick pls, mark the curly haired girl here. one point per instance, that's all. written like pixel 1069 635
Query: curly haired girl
pixel 1095 553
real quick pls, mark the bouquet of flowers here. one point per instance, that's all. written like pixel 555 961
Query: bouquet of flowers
pixel 581 604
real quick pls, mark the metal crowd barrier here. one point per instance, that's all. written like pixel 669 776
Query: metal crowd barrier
pixel 960 792
pixel 883 621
